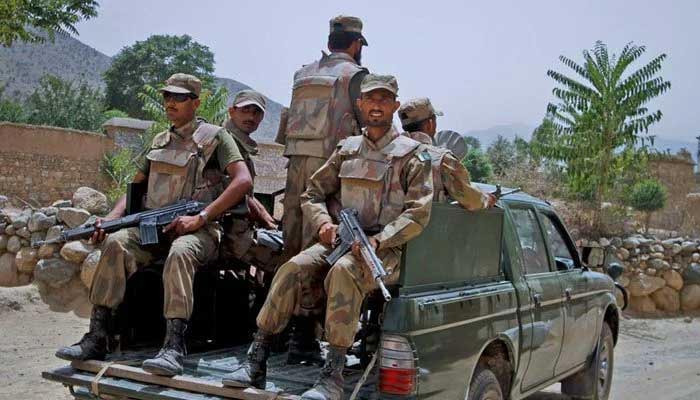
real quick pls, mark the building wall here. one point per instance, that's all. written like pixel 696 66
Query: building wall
pixel 41 164
pixel 676 173
pixel 125 137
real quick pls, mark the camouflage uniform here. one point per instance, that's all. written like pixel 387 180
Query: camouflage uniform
pixel 179 165
pixel 321 114
pixel 450 177
pixel 389 182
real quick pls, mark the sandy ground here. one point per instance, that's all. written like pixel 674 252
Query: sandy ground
pixel 654 359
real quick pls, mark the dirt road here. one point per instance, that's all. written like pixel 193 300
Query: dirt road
pixel 655 359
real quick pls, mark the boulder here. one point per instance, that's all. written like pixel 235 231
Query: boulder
pixel 668 243
pixel 10 230
pixel 676 249
pixel 644 285
pixel 49 211
pixel 37 237
pixel 76 251
pixel 673 279
pixel 604 242
pixel 3 243
pixel 658 264
pixel 8 270
pixel 623 254
pixel 87 269
pixel 73 296
pixel 26 260
pixel 40 222
pixel 91 200
pixel 596 257
pixel 690 298
pixel 658 256
pixel 24 233
pixel 695 257
pixel 650 271
pixel 616 241
pixel 3 225
pixel 21 220
pixel 72 217
pixel 630 243
pixel 54 232
pixel 657 248
pixel 47 250
pixel 14 243
pixel 3 201
pixel 688 248
pixel 667 299
pixel 55 272
pixel 691 275
pixel 62 204
pixel 643 304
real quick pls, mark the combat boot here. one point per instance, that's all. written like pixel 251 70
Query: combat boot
pixel 253 372
pixel 304 347
pixel 329 385
pixel 168 361
pixel 93 345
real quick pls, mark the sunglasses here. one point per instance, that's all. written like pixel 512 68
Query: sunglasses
pixel 178 97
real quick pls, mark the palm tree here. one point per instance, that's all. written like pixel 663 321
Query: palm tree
pixel 601 121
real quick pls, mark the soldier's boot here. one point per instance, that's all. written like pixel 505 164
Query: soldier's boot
pixel 304 347
pixel 93 345
pixel 253 372
pixel 329 385
pixel 168 361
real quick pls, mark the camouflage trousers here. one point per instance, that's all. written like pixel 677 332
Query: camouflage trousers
pixel 123 255
pixel 305 281
pixel 297 234
pixel 240 243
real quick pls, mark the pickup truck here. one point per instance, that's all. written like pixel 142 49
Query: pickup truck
pixel 494 304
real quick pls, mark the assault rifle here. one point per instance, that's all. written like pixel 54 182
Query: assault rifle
pixel 149 222
pixel 498 193
pixel 349 231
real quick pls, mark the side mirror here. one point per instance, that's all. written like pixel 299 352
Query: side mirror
pixel 615 270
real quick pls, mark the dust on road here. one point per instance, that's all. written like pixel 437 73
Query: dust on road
pixel 654 358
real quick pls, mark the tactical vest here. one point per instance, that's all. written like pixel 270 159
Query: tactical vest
pixel 321 112
pixel 370 180
pixel 177 167
pixel 436 156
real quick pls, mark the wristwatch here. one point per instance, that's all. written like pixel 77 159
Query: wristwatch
pixel 205 215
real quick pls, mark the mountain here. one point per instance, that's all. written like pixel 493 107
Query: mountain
pixel 508 131
pixel 23 65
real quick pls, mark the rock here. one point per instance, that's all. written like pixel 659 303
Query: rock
pixel 87 270
pixel 676 249
pixel 593 243
pixel 55 272
pixel 24 242
pixel 624 281
pixel 673 279
pixel 658 264
pixel 40 222
pixel 76 251
pixel 659 256
pixel 24 233
pixel 37 236
pixel 604 242
pixel 630 243
pixel 688 248
pixel 62 204
pixel 72 217
pixel 26 260
pixel 3 201
pixel 643 304
pixel 657 248
pixel 54 232
pixel 3 243
pixel 668 243
pixel 596 256
pixel 667 299
pixel 691 275
pixel 24 279
pixel 47 250
pixel 688 320
pixel 10 230
pixel 49 211
pixel 650 271
pixel 623 254
pixel 2 228
pixel 616 241
pixel 91 200
pixel 14 244
pixel 8 270
pixel 73 296
pixel 690 298
pixel 643 285
pixel 21 220
pixel 676 266
pixel 695 257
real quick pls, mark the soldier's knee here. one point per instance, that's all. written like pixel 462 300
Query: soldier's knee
pixel 288 270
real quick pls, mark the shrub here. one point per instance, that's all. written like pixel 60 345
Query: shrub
pixel 648 196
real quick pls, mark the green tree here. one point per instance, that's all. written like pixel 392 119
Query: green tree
pixel 472 142
pixel 66 104
pixel 151 62
pixel 478 165
pixel 648 196
pixel 600 121
pixel 522 150
pixel 11 111
pixel 18 17
pixel 501 154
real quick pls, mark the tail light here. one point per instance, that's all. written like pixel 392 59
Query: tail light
pixel 397 366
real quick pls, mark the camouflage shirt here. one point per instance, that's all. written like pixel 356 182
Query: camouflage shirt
pixel 389 181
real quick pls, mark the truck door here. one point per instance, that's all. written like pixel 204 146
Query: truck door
pixel 544 335
pixel 578 340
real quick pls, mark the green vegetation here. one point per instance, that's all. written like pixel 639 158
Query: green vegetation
pixel 120 168
pixel 648 196
pixel 151 62
pixel 18 17
pixel 501 154
pixel 478 165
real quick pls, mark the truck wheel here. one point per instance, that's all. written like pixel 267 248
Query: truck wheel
pixel 604 363
pixel 484 386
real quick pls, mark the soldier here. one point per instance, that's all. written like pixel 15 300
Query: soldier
pixel 387 178
pixel 450 177
pixel 179 164
pixel 240 241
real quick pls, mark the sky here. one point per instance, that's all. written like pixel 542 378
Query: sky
pixel 483 63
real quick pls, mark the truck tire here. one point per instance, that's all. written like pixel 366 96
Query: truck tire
pixel 594 381
pixel 484 386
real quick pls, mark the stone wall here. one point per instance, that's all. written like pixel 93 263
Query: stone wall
pixel 41 164
pixel 676 173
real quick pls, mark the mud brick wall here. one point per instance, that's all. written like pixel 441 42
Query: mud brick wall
pixel 40 164
pixel 676 173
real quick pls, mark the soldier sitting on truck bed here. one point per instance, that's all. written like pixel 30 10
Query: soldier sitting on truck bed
pixel 380 167
pixel 450 177
pixel 182 163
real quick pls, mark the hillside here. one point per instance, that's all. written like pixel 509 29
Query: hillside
pixel 23 65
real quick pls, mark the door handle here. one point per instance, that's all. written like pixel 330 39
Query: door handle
pixel 567 293
pixel 537 299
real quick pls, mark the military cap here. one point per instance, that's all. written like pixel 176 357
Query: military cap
pixel 416 110
pixel 182 83
pixel 373 82
pixel 247 97
pixel 346 23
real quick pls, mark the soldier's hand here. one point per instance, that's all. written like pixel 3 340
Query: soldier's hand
pixel 491 201
pixel 99 235
pixel 356 247
pixel 184 224
pixel 327 233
